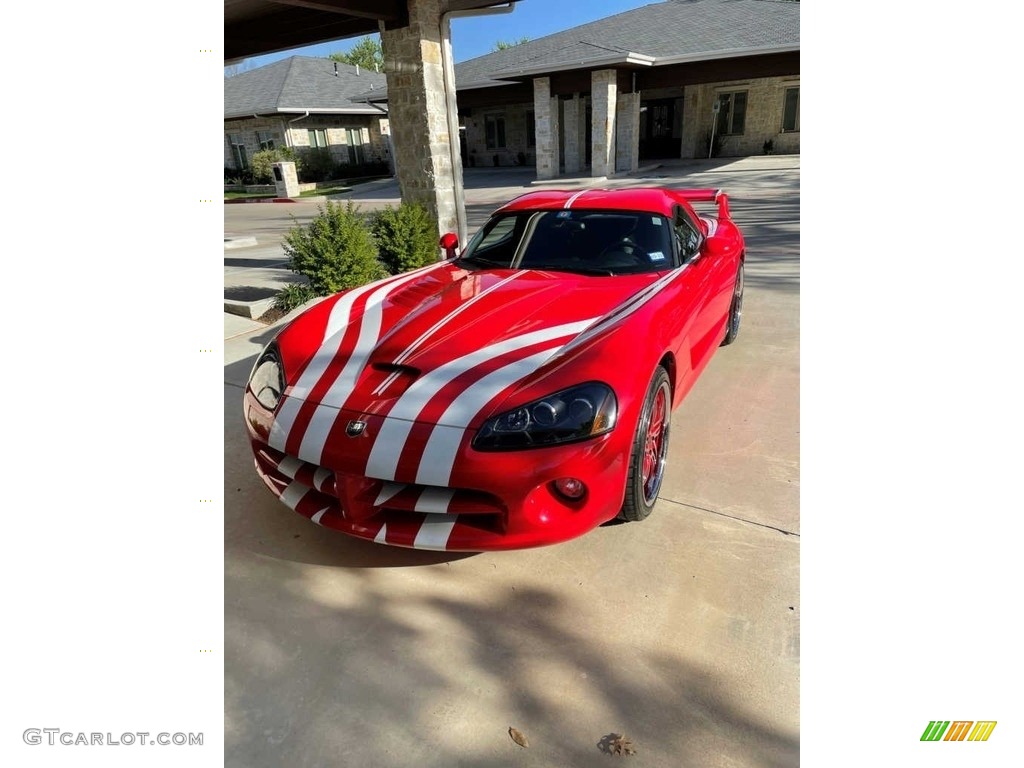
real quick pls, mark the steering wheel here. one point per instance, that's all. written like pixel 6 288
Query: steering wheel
pixel 627 247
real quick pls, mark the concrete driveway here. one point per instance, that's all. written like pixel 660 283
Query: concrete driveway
pixel 681 632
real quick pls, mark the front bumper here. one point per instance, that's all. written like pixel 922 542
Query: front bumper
pixel 492 500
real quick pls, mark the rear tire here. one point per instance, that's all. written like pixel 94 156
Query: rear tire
pixel 732 328
pixel 650 450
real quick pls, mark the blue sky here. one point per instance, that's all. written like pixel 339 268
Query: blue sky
pixel 472 37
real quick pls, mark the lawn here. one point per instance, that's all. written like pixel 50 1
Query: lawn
pixel 344 185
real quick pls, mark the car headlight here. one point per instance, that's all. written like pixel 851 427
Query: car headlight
pixel 573 414
pixel 267 379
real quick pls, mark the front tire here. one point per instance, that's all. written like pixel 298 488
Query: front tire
pixel 732 329
pixel 650 450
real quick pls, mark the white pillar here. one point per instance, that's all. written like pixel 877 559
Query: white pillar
pixel 545 128
pixel 627 133
pixel 573 149
pixel 603 92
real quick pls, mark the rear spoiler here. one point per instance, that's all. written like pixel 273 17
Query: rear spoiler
pixel 707 196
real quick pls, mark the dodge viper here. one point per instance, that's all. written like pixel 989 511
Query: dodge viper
pixel 517 392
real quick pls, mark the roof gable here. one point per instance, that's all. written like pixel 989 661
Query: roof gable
pixel 298 84
pixel 664 30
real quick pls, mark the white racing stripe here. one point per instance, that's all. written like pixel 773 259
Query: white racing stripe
pixel 320 424
pixel 317 366
pixel 437 326
pixel 288 466
pixel 320 477
pixel 435 532
pixel 572 199
pixel 434 501
pixel 712 225
pixel 316 518
pixel 390 442
pixel 389 491
pixel 443 444
pixel 382 535
pixel 624 310
pixel 292 495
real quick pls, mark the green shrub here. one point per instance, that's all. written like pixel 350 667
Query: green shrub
pixel 719 143
pixel 406 237
pixel 292 296
pixel 318 164
pixel 263 161
pixel 335 251
pixel 237 176
pixel 358 170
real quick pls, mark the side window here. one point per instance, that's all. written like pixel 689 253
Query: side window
pixel 498 243
pixel 687 235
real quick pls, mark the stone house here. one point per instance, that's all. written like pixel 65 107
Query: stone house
pixel 304 102
pixel 645 84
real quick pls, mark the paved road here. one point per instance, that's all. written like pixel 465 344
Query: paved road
pixel 681 632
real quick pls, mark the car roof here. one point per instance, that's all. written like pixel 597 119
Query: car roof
pixel 647 199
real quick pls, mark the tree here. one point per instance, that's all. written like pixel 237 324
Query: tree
pixel 501 45
pixel 238 68
pixel 367 53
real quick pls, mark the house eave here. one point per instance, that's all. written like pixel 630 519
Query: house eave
pixel 367 110
pixel 628 58
pixel 728 53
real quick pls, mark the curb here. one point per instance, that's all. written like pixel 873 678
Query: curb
pixel 265 200
pixel 238 242
pixel 248 309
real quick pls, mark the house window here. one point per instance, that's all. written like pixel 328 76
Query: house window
pixel 355 144
pixel 317 138
pixel 495 131
pixel 531 129
pixel 238 151
pixel 732 113
pixel 265 139
pixel 791 110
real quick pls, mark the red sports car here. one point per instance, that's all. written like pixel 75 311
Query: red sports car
pixel 514 395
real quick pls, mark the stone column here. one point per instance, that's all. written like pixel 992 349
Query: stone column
pixel 603 92
pixel 545 110
pixel 417 110
pixel 573 161
pixel 627 133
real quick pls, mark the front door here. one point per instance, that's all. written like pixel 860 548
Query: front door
pixel 656 119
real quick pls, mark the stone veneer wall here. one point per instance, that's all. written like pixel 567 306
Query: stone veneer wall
pixel 765 99
pixel 692 118
pixel 335 127
pixel 515 137
pixel 418 113
pixel 627 133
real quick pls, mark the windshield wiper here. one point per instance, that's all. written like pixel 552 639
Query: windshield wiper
pixel 481 260
pixel 577 270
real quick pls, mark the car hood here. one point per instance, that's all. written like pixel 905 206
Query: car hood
pixel 420 339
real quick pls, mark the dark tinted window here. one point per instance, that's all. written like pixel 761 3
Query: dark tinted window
pixel 601 242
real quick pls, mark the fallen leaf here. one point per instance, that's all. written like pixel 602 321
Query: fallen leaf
pixel 518 737
pixel 620 745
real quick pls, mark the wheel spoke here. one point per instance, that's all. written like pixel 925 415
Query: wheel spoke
pixel 655 445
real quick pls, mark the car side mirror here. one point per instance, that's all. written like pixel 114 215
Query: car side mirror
pixel 450 243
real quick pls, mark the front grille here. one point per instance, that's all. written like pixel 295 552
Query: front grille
pixel 315 491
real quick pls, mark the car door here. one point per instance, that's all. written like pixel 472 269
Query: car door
pixel 702 267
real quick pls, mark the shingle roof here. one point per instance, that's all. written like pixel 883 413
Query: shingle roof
pixel 297 84
pixel 693 28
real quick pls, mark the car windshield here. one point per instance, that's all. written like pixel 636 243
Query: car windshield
pixel 581 241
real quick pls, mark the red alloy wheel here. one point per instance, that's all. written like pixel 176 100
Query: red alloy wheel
pixel 655 444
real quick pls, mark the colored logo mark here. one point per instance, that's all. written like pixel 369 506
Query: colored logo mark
pixel 958 730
